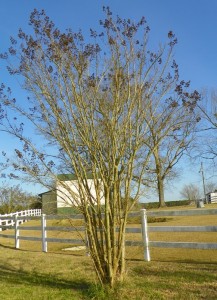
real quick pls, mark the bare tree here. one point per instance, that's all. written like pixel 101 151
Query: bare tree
pixel 172 126
pixel 191 192
pixel 91 103
pixel 206 146
pixel 210 187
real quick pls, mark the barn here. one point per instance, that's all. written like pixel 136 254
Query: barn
pixel 65 196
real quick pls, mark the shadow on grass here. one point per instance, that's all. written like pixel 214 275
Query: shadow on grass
pixel 14 276
pixel 195 274
pixel 175 261
pixel 7 247
pixel 70 253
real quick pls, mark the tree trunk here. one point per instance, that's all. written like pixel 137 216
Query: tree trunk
pixel 160 178
pixel 160 185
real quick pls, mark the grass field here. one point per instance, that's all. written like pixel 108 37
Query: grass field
pixel 172 274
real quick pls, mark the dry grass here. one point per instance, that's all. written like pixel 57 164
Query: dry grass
pixel 172 273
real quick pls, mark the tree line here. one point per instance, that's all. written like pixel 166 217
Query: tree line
pixel 13 198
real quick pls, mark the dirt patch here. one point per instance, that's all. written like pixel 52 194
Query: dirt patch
pixel 76 248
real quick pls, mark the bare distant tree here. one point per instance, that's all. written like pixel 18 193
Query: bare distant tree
pixel 191 192
pixel 207 133
pixel 211 187
pixel 94 106
pixel 171 132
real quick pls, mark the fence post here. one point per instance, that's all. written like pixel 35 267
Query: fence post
pixel 44 233
pixel 17 232
pixel 6 221
pixel 145 235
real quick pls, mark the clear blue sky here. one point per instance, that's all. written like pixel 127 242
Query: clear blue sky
pixel 193 21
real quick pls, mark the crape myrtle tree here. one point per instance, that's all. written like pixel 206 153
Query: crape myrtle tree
pixel 91 101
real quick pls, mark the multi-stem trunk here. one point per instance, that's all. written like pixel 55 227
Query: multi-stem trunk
pixel 107 247
pixel 112 267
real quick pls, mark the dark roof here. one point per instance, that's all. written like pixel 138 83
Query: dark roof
pixel 48 192
pixel 67 177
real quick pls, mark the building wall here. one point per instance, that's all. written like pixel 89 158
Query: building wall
pixel 211 197
pixel 67 199
pixel 49 203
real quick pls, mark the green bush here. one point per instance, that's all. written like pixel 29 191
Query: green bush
pixel 137 220
pixel 178 203
pixel 152 205
pixel 67 211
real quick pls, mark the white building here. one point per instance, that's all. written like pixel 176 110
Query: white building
pixel 211 197
pixel 67 190
pixel 66 194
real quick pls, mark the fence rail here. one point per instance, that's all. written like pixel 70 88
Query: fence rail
pixel 182 229
pixel 190 212
pixel 8 220
pixel 17 218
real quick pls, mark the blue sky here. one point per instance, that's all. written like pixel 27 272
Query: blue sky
pixel 193 21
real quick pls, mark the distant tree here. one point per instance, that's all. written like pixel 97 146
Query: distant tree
pixel 171 133
pixel 191 192
pixel 210 187
pixel 13 198
pixel 207 133
pixel 94 105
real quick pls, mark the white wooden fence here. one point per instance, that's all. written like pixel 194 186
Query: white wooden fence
pixel 143 230
pixel 8 220
pixel 193 245
pixel 16 220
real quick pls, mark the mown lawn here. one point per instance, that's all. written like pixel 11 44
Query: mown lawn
pixel 172 274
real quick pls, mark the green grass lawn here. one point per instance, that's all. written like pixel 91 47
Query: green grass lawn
pixel 172 274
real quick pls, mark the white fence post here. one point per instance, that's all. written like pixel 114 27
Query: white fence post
pixel 145 235
pixel 11 221
pixel 44 233
pixel 17 232
pixel 20 214
pixel 7 221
